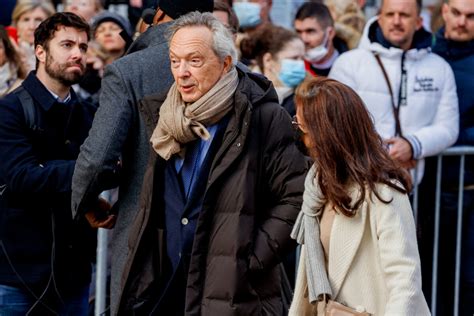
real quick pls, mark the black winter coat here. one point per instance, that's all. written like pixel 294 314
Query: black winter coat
pixel 35 176
pixel 253 195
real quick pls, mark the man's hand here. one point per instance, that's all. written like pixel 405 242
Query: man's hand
pixel 99 217
pixel 401 151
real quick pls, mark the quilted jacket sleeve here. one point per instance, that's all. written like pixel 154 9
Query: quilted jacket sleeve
pixel 284 172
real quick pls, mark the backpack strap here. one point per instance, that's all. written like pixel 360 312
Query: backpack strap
pixel 32 117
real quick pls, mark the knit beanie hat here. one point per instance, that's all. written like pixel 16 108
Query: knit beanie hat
pixel 108 16
pixel 177 8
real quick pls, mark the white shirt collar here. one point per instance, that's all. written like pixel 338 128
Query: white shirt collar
pixel 65 100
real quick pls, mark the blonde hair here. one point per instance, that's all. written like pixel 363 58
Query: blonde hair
pixel 24 6
pixel 98 4
pixel 349 20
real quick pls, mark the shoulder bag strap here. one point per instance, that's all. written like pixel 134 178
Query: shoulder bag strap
pixel 398 129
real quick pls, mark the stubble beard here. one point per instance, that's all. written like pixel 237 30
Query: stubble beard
pixel 59 71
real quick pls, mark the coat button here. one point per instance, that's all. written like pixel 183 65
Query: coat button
pixel 184 221
pixel 238 144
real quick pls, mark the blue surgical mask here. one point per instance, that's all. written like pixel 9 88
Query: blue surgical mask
pixel 292 72
pixel 248 14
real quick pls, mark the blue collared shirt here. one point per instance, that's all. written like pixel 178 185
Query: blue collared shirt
pixel 203 148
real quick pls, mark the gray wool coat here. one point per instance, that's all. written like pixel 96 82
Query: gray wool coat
pixel 118 133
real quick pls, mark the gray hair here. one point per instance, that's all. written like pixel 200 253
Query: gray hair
pixel 223 43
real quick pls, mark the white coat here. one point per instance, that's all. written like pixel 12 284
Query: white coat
pixel 430 119
pixel 373 261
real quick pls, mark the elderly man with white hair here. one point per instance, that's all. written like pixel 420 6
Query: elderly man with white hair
pixel 222 188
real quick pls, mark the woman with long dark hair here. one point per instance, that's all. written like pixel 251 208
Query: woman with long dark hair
pixel 356 224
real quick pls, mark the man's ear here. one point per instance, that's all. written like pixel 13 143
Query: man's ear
pixel 40 53
pixel 445 11
pixel 267 61
pixel 419 22
pixel 227 63
pixel 331 33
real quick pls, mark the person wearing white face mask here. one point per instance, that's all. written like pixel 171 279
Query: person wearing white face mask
pixel 315 26
pixel 278 53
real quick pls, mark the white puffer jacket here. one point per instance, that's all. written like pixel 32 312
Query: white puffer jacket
pixel 430 120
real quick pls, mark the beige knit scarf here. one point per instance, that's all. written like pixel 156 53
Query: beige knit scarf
pixel 181 122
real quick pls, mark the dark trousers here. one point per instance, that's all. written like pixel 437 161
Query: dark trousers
pixel 173 297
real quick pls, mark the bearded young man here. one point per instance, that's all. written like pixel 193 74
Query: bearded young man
pixel 45 257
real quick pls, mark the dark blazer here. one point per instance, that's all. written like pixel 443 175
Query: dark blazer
pixel 36 171
pixel 251 200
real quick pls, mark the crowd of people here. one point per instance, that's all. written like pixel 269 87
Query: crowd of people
pixel 229 141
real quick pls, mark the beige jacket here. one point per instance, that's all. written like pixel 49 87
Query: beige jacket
pixel 374 263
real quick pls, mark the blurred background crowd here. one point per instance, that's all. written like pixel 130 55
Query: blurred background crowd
pixel 285 40
pixel 266 20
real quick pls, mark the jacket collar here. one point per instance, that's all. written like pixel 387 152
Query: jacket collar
pixel 449 49
pixel 421 38
pixel 40 94
pixel 154 35
pixel 372 39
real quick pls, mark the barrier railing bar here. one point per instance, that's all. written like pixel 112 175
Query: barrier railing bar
pixel 415 195
pixel 101 272
pixel 434 277
pixel 101 265
pixel 459 235
pixel 458 151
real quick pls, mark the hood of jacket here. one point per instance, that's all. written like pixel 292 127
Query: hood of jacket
pixel 256 87
pixel 451 50
pixel 373 40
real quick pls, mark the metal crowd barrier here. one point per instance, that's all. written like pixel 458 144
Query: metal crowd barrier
pixel 101 266
pixel 462 152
